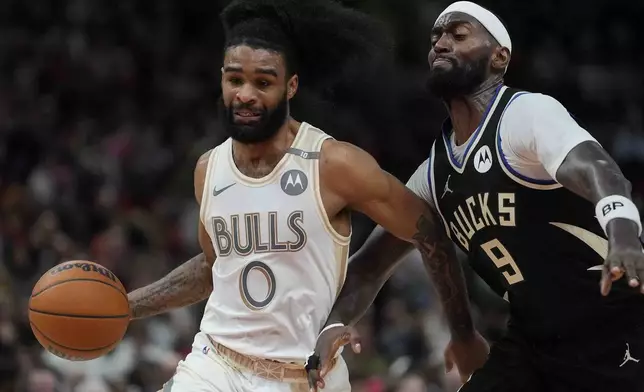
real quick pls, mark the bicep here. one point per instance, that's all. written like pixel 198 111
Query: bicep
pixel 382 196
pixel 398 210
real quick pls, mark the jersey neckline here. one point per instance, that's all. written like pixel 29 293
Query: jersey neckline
pixel 447 130
pixel 251 181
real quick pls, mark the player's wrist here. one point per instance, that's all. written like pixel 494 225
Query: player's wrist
pixel 617 207
pixel 132 313
pixel 622 233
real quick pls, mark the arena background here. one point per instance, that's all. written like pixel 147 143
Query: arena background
pixel 106 105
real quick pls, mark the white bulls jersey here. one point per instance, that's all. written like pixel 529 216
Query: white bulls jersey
pixel 280 264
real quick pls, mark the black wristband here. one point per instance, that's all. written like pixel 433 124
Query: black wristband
pixel 312 362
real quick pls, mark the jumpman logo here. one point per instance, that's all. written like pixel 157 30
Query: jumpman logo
pixel 447 187
pixel 627 356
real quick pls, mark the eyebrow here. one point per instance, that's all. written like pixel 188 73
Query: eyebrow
pixel 259 70
pixel 266 71
pixel 451 24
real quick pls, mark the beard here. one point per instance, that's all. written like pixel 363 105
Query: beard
pixel 458 80
pixel 269 122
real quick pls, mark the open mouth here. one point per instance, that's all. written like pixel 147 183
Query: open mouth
pixel 441 61
pixel 246 116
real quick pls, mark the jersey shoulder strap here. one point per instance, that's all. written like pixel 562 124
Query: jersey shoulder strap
pixel 502 103
pixel 208 178
pixel 309 142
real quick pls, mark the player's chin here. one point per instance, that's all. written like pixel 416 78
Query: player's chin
pixel 441 66
pixel 440 76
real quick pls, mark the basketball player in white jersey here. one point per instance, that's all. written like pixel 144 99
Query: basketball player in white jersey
pixel 274 213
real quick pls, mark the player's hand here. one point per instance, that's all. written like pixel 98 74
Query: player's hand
pixel 328 344
pixel 468 355
pixel 625 257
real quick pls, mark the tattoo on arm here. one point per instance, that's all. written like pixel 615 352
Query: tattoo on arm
pixel 445 270
pixel 376 260
pixel 187 284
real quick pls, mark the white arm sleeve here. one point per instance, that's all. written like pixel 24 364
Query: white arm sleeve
pixel 537 133
pixel 419 183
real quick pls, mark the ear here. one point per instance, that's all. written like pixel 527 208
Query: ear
pixel 291 86
pixel 500 59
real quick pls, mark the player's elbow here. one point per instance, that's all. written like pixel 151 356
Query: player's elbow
pixel 205 265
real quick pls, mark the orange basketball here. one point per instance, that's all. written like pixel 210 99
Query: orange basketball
pixel 79 310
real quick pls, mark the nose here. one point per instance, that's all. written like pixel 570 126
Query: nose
pixel 246 94
pixel 442 45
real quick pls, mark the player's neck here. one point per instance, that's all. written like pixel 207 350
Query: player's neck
pixel 268 152
pixel 466 112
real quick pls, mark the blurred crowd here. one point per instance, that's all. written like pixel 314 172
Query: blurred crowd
pixel 105 106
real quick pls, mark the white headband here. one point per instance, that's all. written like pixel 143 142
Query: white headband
pixel 485 17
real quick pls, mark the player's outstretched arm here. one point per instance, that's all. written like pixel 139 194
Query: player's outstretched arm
pixel 589 171
pixel 187 284
pixel 540 132
pixel 355 177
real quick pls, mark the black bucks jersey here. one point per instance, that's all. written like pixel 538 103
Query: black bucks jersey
pixel 534 242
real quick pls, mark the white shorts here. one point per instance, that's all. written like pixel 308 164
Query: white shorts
pixel 205 370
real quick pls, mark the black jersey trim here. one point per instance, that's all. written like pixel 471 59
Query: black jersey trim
pixel 429 169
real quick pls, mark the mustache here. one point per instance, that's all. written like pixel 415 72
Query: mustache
pixel 247 106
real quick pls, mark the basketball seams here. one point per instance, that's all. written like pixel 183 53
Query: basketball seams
pixel 85 316
pixel 84 350
pixel 80 280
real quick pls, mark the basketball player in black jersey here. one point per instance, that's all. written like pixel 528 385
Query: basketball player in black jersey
pixel 543 213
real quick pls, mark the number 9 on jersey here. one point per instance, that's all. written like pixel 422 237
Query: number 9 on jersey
pixel 503 261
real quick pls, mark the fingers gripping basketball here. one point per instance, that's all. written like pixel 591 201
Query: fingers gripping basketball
pixel 79 310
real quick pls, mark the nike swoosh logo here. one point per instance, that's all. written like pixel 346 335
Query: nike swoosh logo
pixel 216 192
pixel 595 242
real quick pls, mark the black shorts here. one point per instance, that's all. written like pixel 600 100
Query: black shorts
pixel 604 359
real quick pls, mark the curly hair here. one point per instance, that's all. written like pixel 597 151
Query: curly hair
pixel 321 40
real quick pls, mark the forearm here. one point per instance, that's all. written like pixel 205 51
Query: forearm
pixel 187 284
pixel 369 269
pixel 439 257
pixel 591 173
